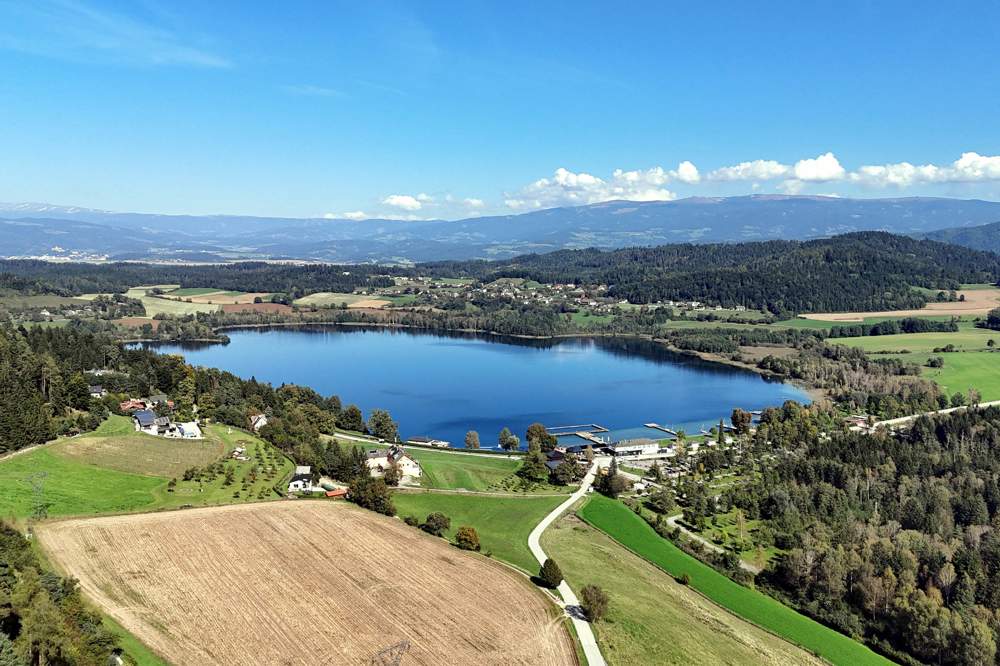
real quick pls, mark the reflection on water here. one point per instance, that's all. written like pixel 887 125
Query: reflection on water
pixel 443 384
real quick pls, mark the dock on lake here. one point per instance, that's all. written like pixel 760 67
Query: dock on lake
pixel 657 426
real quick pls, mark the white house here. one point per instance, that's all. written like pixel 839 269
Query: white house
pixel 301 480
pixel 379 460
pixel 258 421
pixel 636 448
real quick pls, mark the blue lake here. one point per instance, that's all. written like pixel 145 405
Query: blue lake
pixel 442 385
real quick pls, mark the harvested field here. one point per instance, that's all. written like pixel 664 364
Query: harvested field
pixel 280 308
pixel 369 303
pixel 229 297
pixel 977 302
pixel 137 322
pixel 303 583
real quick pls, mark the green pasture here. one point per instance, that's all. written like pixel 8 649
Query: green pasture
pixel 621 524
pixel 93 481
pixel 652 619
pixel 503 522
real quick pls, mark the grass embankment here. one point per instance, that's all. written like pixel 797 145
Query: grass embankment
pixel 616 520
pixel 116 470
pixel 651 618
pixel 503 523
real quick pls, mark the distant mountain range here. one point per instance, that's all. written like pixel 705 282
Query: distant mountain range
pixel 81 233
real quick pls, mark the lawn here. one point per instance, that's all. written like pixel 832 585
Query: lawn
pixel 503 523
pixel 616 520
pixel 651 618
pixel 90 484
pixel 450 471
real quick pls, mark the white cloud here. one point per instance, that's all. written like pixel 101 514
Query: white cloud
pixel 754 170
pixel 820 169
pixel 566 187
pixel 355 215
pixel 687 173
pixel 403 201
pixel 971 167
pixel 425 198
pixel 472 202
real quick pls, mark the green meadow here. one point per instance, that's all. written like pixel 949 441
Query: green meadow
pixel 616 520
pixel 503 522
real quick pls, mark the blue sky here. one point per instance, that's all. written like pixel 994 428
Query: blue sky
pixel 432 109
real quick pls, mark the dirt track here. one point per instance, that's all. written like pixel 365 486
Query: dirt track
pixel 303 583
pixel 977 302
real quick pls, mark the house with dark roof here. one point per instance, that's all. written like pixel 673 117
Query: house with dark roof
pixel 144 420
pixel 97 391
pixel 301 481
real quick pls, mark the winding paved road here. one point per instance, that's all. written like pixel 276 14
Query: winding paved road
pixel 570 602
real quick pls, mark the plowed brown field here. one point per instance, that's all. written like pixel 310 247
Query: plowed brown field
pixel 303 583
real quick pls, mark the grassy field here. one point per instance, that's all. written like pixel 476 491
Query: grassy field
pixel 451 471
pixel 631 531
pixel 329 299
pixel 968 337
pixel 652 619
pixel 12 300
pixel 139 453
pixel 193 291
pixel 94 482
pixel 503 523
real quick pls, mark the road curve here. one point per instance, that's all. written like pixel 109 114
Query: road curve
pixel 571 603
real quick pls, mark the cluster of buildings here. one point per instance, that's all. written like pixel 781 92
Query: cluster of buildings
pixel 380 460
pixel 146 420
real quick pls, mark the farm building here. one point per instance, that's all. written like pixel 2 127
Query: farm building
pixel 379 460
pixel 301 480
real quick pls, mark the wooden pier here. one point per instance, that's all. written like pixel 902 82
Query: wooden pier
pixel 575 430
pixel 657 426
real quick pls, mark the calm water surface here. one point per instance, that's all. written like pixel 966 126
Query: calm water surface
pixel 442 385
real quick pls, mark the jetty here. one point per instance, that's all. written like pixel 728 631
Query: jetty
pixel 657 426
pixel 565 431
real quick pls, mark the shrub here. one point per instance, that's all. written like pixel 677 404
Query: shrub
pixel 594 602
pixel 467 538
pixel 436 524
pixel 412 521
pixel 684 578
pixel 550 574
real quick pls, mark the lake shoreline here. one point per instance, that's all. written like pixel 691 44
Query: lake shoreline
pixel 813 392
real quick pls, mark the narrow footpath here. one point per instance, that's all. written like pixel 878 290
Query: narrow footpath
pixel 570 602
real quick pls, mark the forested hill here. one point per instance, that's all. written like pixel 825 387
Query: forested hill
pixel 854 272
pixel 982 237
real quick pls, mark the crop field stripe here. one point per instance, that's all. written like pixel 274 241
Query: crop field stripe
pixel 622 525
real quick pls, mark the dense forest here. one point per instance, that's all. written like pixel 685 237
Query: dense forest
pixel 294 281
pixel 895 538
pixel 853 272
